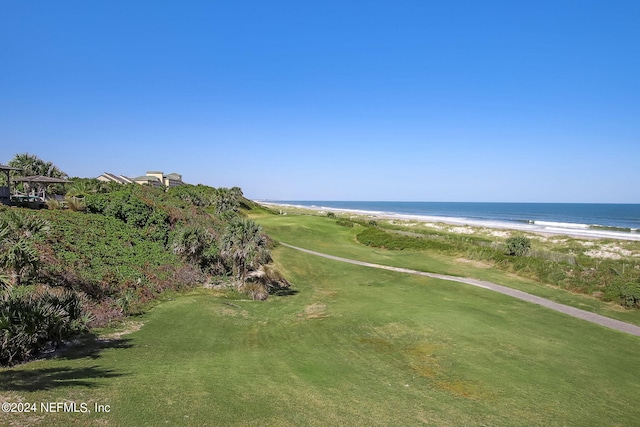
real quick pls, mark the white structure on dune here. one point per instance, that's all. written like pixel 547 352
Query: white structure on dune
pixel 152 178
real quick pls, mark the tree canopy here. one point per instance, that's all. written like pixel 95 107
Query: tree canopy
pixel 33 165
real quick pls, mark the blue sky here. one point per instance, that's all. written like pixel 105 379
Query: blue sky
pixel 332 100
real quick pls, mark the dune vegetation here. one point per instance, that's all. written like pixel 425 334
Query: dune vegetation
pixel 108 251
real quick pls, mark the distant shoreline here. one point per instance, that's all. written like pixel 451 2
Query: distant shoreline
pixel 542 228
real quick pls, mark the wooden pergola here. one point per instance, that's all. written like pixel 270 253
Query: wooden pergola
pixel 5 191
pixel 40 183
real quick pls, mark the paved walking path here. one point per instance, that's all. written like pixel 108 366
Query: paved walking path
pixel 571 311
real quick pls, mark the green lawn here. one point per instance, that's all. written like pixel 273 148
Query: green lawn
pixel 353 346
pixel 323 235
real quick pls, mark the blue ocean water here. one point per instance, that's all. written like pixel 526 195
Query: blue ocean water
pixel 571 216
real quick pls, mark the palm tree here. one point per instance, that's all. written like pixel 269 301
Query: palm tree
pixel 192 244
pixel 33 165
pixel 236 192
pixel 17 253
pixel 26 162
pixel 245 246
pixel 19 258
pixel 226 202
pixel 80 189
pixel 83 187
pixel 75 196
pixel 22 226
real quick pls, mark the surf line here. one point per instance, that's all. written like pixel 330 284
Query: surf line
pixel 566 309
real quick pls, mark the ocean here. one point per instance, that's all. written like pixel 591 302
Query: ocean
pixel 586 219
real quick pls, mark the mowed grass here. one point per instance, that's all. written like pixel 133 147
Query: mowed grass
pixel 324 235
pixel 353 346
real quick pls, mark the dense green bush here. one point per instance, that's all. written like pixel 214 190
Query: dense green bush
pixel 197 245
pixel 33 321
pixel 226 202
pixel 630 295
pixel 103 256
pixel 198 195
pixel 345 223
pixel 518 245
pixel 123 205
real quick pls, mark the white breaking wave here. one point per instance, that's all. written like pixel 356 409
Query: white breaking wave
pixel 560 224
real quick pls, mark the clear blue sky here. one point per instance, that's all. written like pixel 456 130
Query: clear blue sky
pixel 333 100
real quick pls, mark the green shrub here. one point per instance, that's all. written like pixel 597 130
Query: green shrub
pixel 76 204
pixel 345 223
pixel 123 205
pixel 193 243
pixel 518 245
pixel 331 215
pixel 33 321
pixel 197 195
pixel 102 256
pixel 53 204
pixel 630 295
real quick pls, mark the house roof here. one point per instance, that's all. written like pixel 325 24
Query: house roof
pixel 41 179
pixel 8 168
pixel 121 179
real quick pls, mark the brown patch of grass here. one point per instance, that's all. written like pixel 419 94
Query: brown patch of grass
pixel 422 359
pixel 231 312
pixel 420 354
pixel 128 327
pixel 394 330
pixel 326 293
pixel 474 263
pixel 314 311
pixel 460 388
pixel 380 344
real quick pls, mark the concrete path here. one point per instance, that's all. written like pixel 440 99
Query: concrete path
pixel 571 311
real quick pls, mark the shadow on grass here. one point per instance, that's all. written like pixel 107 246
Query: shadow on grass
pixel 51 378
pixel 283 292
pixel 88 347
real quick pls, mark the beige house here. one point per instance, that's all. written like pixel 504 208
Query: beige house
pixel 170 180
pixel 152 178
pixel 109 177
